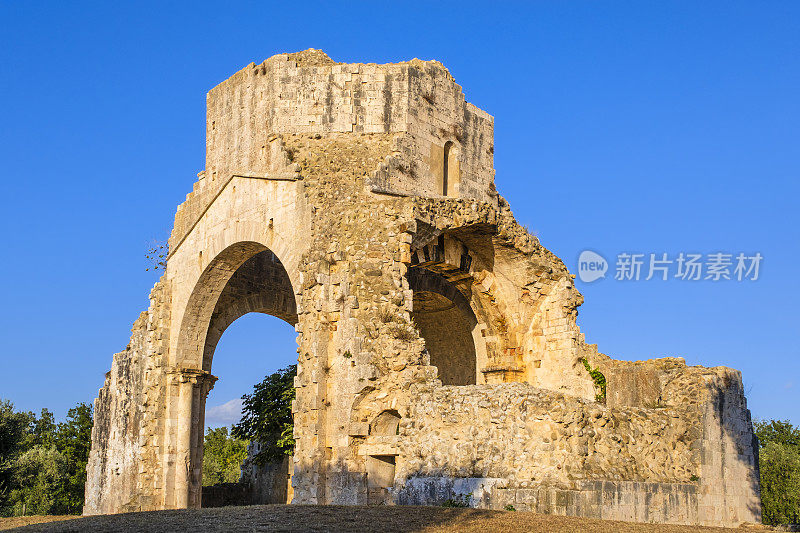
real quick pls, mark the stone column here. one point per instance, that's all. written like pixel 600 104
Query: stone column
pixel 193 387
pixel 205 383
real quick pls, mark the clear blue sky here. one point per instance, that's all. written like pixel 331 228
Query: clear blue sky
pixel 620 126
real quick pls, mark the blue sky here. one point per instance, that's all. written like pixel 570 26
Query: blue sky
pixel 648 127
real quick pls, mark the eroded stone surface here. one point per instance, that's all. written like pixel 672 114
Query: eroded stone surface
pixel 438 353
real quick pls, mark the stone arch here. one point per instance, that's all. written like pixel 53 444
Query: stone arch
pixel 446 322
pixel 244 277
pixel 260 285
pixel 473 275
pixel 204 298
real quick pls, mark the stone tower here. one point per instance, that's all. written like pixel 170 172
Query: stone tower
pixel 438 353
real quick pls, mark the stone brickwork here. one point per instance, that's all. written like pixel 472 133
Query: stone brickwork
pixel 438 350
pixel 268 483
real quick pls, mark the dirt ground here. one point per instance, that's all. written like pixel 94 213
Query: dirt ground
pixel 310 518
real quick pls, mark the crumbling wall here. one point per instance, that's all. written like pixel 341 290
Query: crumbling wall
pixel 292 94
pixel 513 444
pixel 523 296
pixel 515 431
pixel 127 426
pixel 448 338
pixel 267 483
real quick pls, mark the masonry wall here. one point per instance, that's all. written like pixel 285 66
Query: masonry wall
pixel 516 431
pixel 311 94
pixel 268 483
pixel 128 428
pixel 512 444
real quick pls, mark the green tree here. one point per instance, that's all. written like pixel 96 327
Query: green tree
pixel 223 456
pixel 779 465
pixel 42 430
pixel 15 429
pixel 41 477
pixel 267 416
pixel 780 431
pixel 43 464
pixel 780 483
pixel 73 439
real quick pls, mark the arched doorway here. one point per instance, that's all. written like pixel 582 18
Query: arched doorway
pixel 253 347
pixel 244 278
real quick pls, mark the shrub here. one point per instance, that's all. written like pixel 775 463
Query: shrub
pixel 458 500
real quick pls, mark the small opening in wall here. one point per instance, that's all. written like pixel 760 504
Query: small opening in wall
pixel 386 423
pixel 446 167
pixel 380 478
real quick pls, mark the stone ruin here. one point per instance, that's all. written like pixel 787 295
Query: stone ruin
pixel 438 352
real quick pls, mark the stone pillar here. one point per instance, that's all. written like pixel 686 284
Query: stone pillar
pixel 205 383
pixel 193 388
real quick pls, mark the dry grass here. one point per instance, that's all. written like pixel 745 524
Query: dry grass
pixel 19 521
pixel 337 518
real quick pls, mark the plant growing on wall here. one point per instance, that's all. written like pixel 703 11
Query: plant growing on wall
pixel 156 255
pixel 599 381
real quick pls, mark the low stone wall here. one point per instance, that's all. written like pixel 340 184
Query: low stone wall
pixel 516 431
pixel 629 501
pixel 676 503
pixel 534 449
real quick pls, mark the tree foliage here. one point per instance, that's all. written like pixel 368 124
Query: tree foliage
pixel 14 431
pixel 267 416
pixel 780 483
pixel 779 431
pixel 779 464
pixel 74 440
pixel 223 456
pixel 43 464
pixel 41 478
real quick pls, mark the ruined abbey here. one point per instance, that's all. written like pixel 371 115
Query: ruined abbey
pixel 438 351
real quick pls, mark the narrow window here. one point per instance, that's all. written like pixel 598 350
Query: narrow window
pixel 445 170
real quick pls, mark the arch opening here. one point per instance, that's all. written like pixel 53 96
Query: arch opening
pixel 244 278
pixel 253 346
pixel 450 171
pixel 260 285
pixel 445 321
pixel 385 424
pixel 448 146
